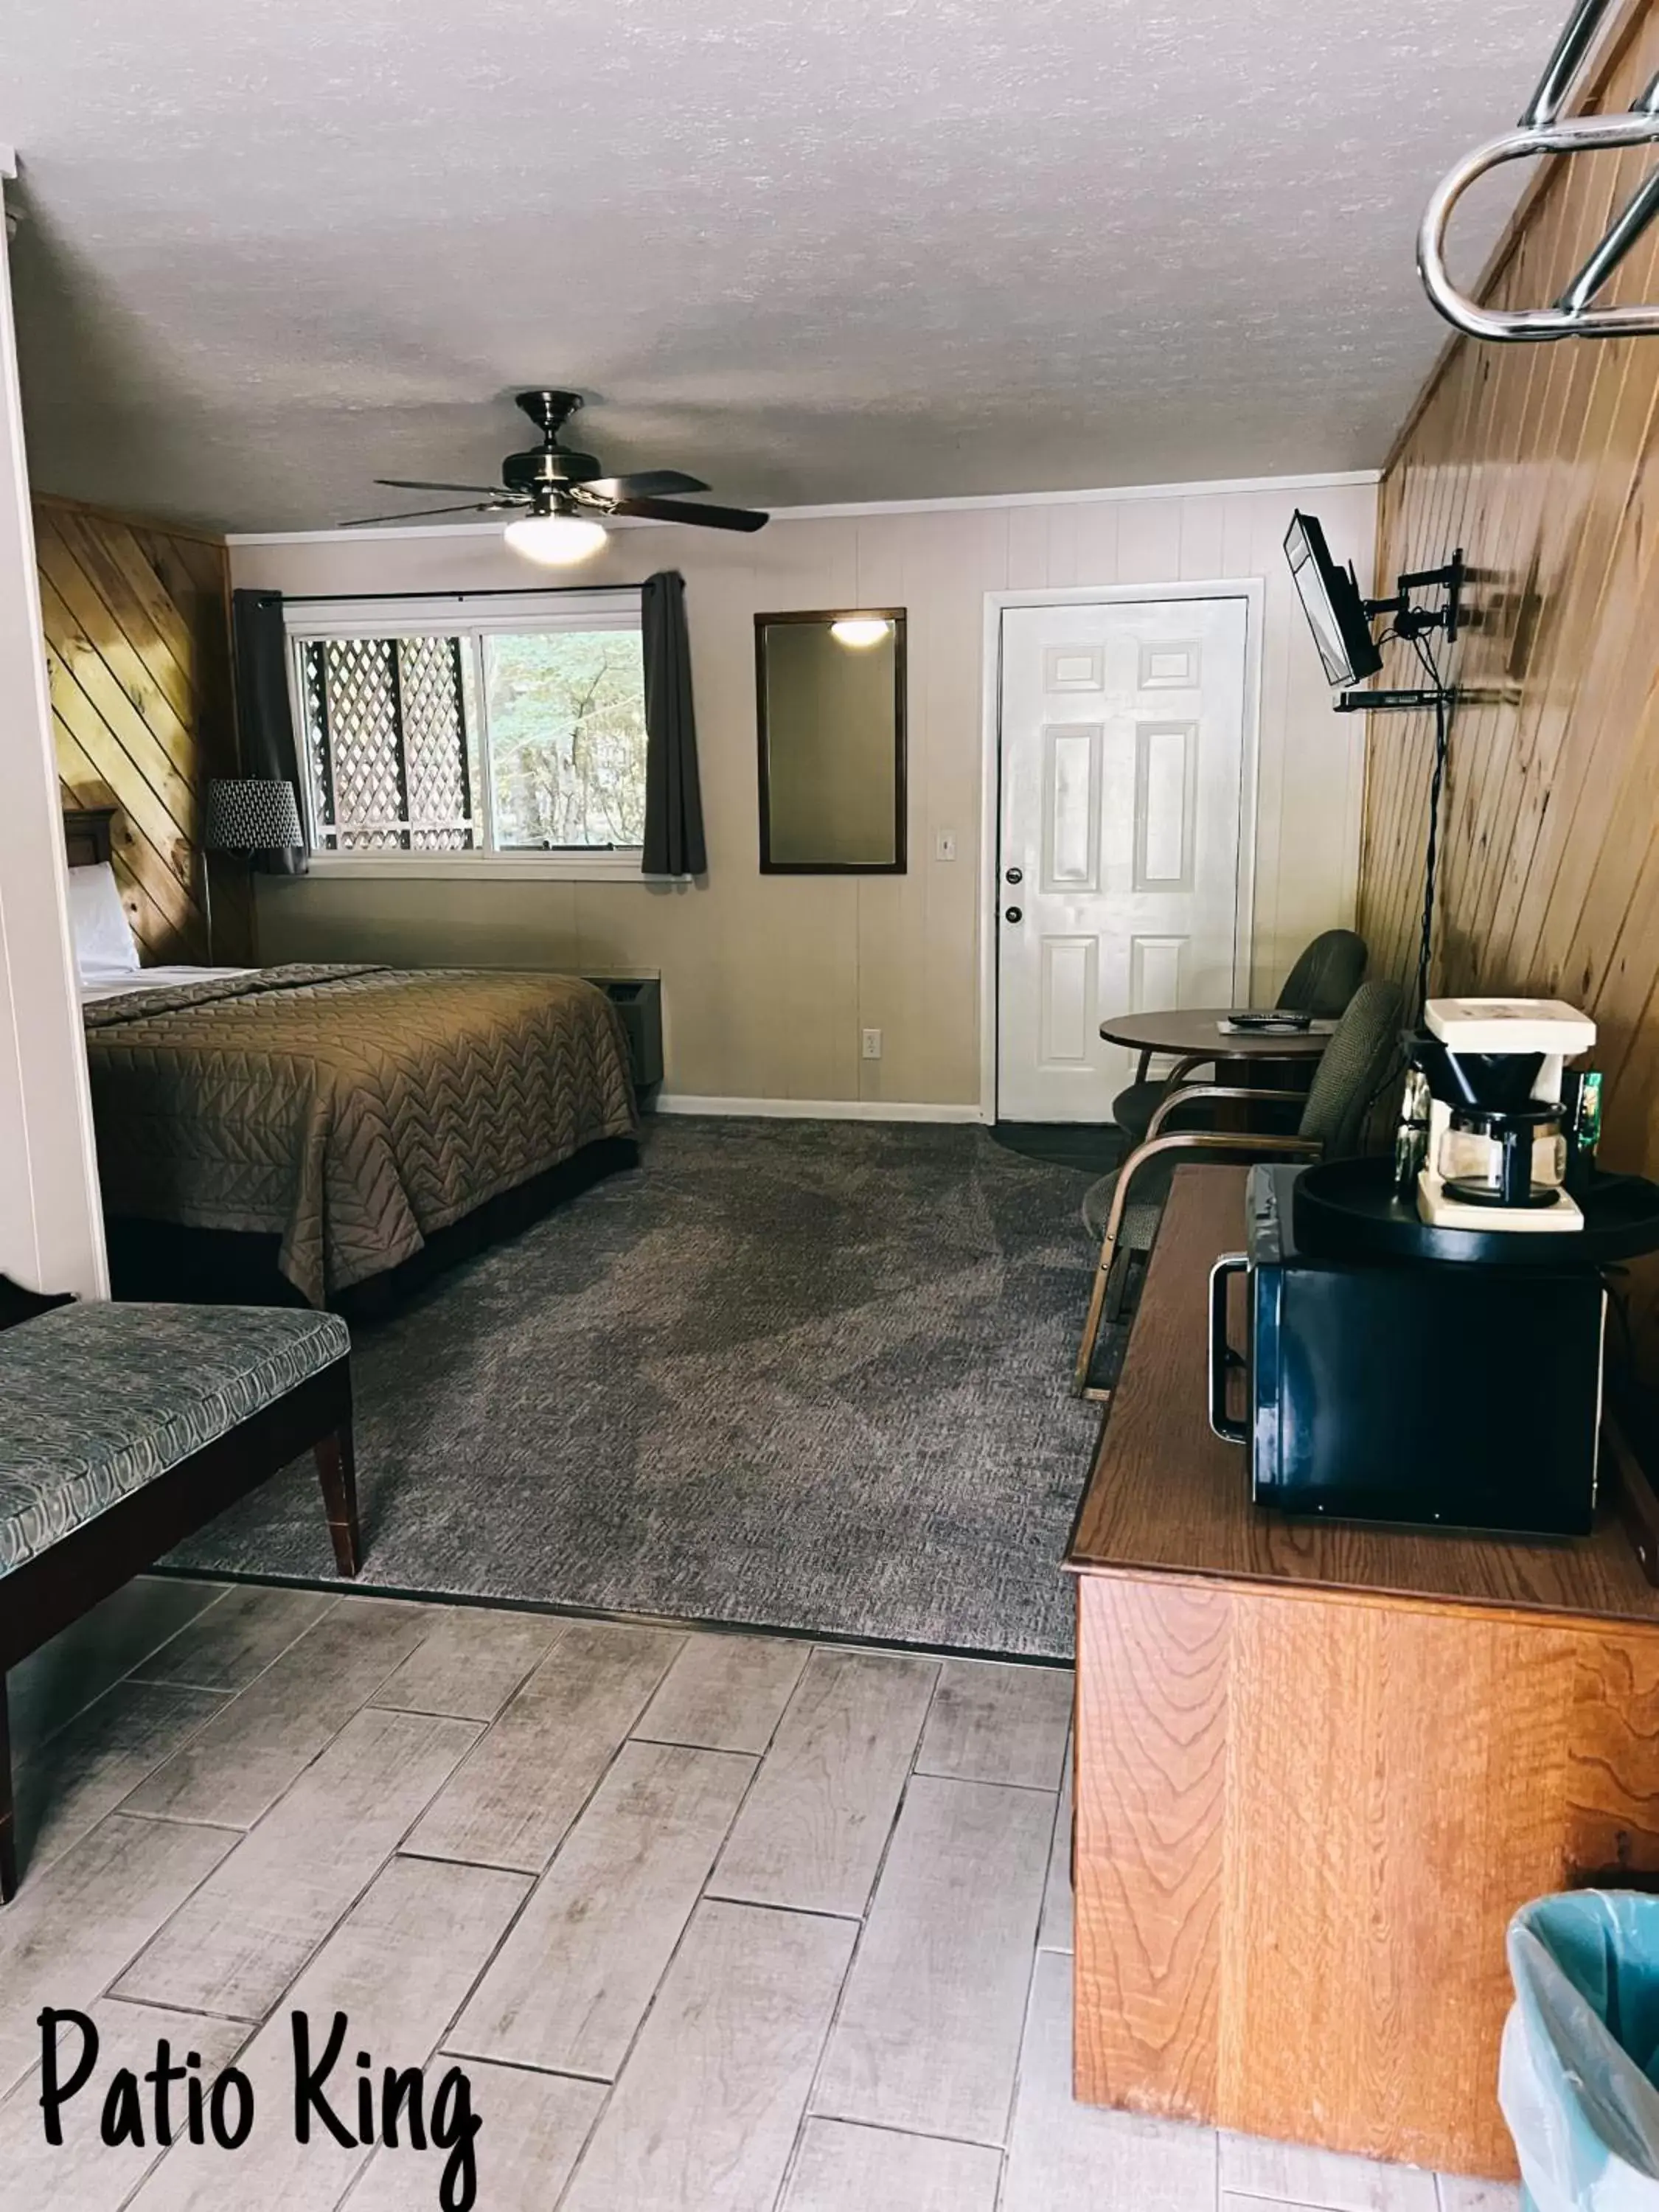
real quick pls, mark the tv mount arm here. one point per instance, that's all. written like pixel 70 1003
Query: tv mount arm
pixel 1413 621
pixel 1542 130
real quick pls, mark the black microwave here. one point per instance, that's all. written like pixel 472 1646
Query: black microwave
pixel 1441 1393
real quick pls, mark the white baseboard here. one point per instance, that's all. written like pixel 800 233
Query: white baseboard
pixel 819 1110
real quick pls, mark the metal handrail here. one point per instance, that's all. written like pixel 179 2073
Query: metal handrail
pixel 1542 132
pixel 1562 69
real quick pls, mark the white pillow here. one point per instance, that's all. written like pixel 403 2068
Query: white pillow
pixel 98 921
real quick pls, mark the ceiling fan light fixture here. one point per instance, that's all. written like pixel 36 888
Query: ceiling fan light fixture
pixel 555 541
pixel 859 631
pixel 568 502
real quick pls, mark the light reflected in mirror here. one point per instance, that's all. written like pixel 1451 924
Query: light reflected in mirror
pixel 831 703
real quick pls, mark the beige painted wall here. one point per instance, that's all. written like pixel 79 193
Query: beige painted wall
pixel 767 981
pixel 52 1230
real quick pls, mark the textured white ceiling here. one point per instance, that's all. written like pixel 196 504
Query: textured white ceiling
pixel 884 248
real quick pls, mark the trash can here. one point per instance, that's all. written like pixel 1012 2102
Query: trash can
pixel 1579 2078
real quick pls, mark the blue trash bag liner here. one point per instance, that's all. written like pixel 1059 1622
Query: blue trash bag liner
pixel 1579 2078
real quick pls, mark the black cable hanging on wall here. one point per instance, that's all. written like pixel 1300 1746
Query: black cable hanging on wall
pixel 1442 706
pixel 1414 625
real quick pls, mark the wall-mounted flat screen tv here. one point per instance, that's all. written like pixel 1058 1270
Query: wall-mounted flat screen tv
pixel 1331 601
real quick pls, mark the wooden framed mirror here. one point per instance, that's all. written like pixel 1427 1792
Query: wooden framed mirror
pixel 830 692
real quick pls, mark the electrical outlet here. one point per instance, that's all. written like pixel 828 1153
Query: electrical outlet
pixel 873 1044
pixel 945 844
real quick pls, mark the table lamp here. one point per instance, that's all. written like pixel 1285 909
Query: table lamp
pixel 247 814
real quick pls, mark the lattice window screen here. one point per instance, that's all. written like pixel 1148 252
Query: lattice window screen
pixel 386 731
pixel 434 743
pixel 314 672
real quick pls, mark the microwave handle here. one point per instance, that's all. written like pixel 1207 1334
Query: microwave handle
pixel 1222 1355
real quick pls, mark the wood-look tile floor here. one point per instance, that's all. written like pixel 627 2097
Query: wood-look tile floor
pixel 713 1923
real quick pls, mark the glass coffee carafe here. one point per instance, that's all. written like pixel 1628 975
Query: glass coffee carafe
pixel 1504 1156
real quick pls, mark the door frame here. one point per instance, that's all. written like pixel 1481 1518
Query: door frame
pixel 1252 590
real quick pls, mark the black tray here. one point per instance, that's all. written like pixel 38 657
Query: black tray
pixel 1349 1210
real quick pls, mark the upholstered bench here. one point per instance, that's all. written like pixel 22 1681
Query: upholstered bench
pixel 125 1428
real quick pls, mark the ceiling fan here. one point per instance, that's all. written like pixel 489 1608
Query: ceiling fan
pixel 559 499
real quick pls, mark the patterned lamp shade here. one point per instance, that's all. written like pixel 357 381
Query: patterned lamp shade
pixel 251 814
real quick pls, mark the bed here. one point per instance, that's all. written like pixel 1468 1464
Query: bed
pixel 350 1111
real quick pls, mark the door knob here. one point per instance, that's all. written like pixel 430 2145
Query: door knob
pixel 1016 875
pixel 1012 914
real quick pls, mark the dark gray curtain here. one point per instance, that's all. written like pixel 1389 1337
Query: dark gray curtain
pixel 264 712
pixel 673 799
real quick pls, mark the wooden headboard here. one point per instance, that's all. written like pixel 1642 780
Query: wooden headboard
pixel 87 834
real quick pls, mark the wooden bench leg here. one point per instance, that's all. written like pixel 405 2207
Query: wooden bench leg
pixel 338 1470
pixel 7 1811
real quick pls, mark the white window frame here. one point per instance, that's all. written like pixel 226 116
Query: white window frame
pixel 472 617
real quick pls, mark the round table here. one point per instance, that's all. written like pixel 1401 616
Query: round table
pixel 1189 1030
pixel 1245 1059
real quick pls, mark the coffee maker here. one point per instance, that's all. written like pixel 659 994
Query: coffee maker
pixel 1497 1153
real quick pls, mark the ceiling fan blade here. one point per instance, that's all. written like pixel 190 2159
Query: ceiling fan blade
pixel 415 514
pixel 421 483
pixel 710 517
pixel 646 484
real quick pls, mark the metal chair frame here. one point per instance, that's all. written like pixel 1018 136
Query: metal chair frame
pixel 1226 1143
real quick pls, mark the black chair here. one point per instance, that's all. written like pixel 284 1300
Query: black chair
pixel 1123 1208
pixel 1325 977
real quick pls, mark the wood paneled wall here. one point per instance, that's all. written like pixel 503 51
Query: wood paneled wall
pixel 137 652
pixel 1542 461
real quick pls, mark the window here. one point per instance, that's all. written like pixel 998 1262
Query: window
pixel 474 729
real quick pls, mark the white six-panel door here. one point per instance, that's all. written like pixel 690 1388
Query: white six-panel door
pixel 1122 769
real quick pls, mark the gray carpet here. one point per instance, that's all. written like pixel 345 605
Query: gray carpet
pixel 799 1374
pixel 1097 1147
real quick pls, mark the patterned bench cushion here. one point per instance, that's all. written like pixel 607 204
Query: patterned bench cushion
pixel 96 1401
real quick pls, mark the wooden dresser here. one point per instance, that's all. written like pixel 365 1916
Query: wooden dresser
pixel 1319 1767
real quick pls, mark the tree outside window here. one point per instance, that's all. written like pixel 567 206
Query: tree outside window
pixel 565 714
